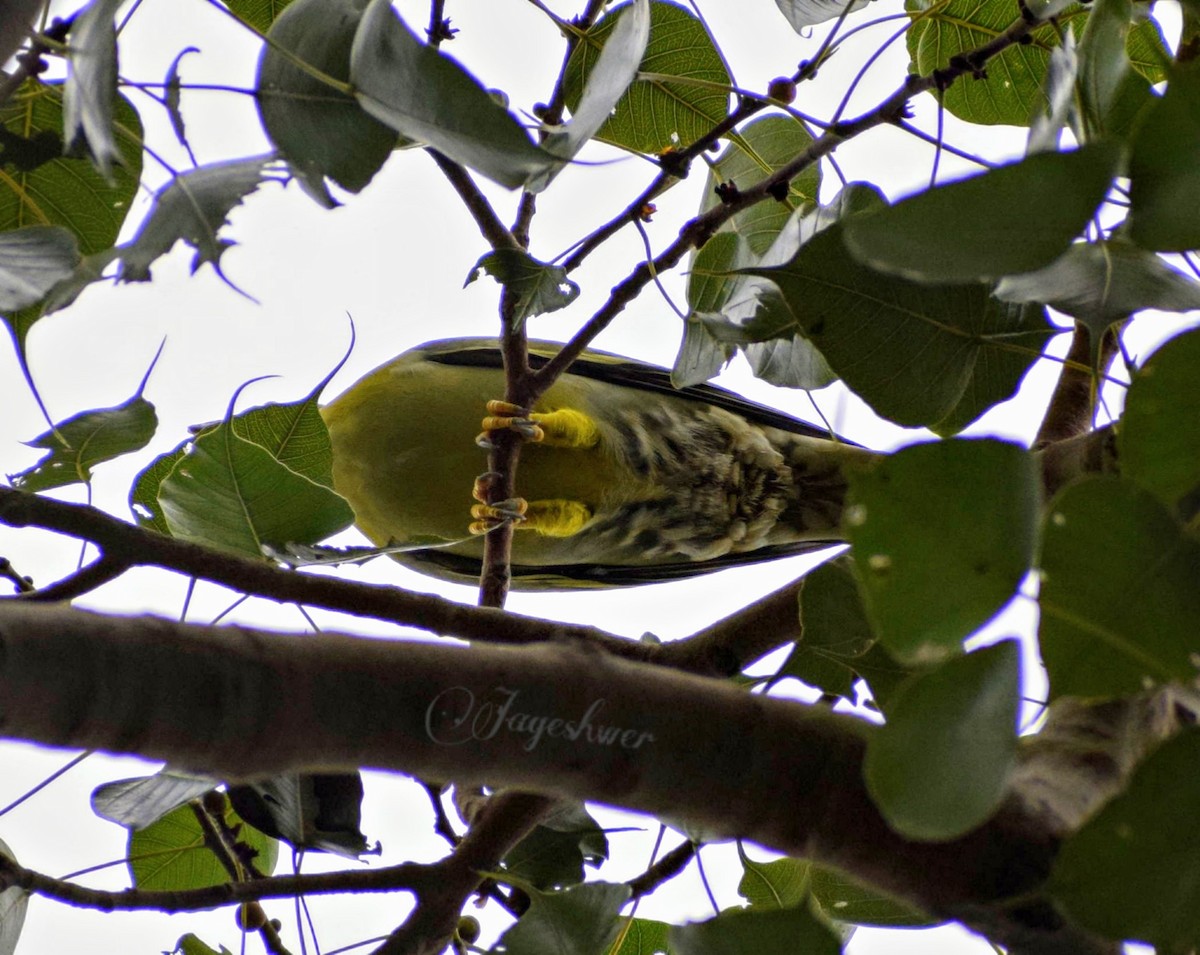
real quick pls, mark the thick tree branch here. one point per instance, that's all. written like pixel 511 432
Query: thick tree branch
pixel 242 703
pixel 505 820
pixel 721 650
pixel 124 543
pixel 1073 404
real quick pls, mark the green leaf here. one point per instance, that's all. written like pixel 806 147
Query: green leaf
pixel 320 811
pixel 703 350
pixel 942 534
pixel 1012 92
pixel 91 88
pixel 41 186
pixel 1119 603
pixel 1148 52
pixel 790 931
pixel 193 208
pixel 835 630
pixel 1014 218
pixel 1165 178
pixel 427 96
pixel 260 14
pixel 143 496
pixel 170 854
pixel 295 435
pixel 1103 282
pixel 884 674
pixel 1158 438
pixel 321 131
pixel 13 903
pixel 644 937
pixel 844 899
pixel 756 151
pixel 779 884
pixel 731 310
pixel 1062 71
pixel 136 803
pixel 789 363
pixel 32 261
pixel 607 82
pixel 802 14
pixel 917 354
pixel 939 767
pixel 686 98
pixel 232 493
pixel 192 945
pixel 77 445
pixel 1132 871
pixel 1103 61
pixel 555 852
pixel 785 883
pixel 537 286
pixel 581 920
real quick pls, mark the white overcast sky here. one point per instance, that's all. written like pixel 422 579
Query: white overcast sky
pixel 395 258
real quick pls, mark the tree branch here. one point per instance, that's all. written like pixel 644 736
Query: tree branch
pixel 492 229
pixel 242 703
pixel 124 543
pixel 1073 404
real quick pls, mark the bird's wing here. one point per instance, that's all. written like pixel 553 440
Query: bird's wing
pixel 464 569
pixel 603 366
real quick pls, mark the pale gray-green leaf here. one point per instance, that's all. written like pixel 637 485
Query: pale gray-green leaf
pixel 13 903
pixel 1046 125
pixel 802 14
pixel 1103 61
pixel 537 287
pixel 321 131
pixel 1102 282
pixel 91 88
pixel 192 207
pixel 32 261
pixel 136 803
pixel 608 81
pixel 428 96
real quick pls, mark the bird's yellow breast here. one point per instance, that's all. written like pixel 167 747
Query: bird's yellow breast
pixel 405 454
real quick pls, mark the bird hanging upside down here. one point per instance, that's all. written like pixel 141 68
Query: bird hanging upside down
pixel 624 478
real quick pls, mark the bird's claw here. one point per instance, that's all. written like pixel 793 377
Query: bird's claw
pixel 490 516
pixel 505 416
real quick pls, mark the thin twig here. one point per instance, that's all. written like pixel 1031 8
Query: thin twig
pixel 497 235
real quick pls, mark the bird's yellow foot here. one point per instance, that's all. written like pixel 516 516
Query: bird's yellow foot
pixel 555 518
pixel 564 428
pixel 490 516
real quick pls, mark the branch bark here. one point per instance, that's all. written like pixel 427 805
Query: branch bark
pixel 241 703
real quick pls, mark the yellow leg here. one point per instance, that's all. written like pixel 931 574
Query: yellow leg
pixel 564 428
pixel 555 518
